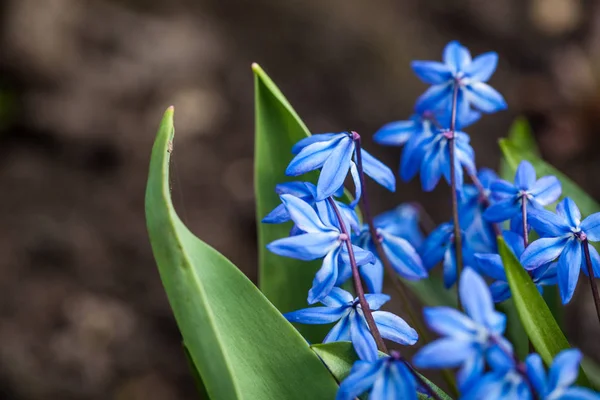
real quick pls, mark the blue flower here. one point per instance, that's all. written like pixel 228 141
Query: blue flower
pixel 538 193
pixel 468 340
pixel 308 192
pixel 352 326
pixel 491 265
pixel 479 232
pixel 385 378
pixel 335 154
pixel 411 133
pixel 320 238
pixel 434 156
pixel 394 234
pixel 557 384
pixel 439 246
pixel 563 235
pixel 459 69
pixel 500 384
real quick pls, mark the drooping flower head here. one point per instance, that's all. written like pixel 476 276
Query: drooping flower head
pixel 468 340
pixel 320 238
pixel 334 154
pixel 385 378
pixel 352 326
pixel 563 236
pixel 536 193
pixel 461 71
pixel 490 264
pixel 557 383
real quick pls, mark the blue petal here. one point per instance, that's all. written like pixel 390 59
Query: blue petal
pixel 456 57
pixel 412 154
pixel 375 301
pixel 432 167
pixel 325 278
pixel 502 210
pixel 444 353
pixel 277 216
pixel 470 372
pixel 569 265
pixel 363 341
pixel 564 369
pixel 482 67
pixel 297 188
pixel 449 321
pixel 484 97
pixel 515 242
pixel 503 187
pixel 449 267
pixel 360 256
pixel 362 376
pixel 525 176
pixel 303 215
pixel 579 393
pixel 357 184
pixel 404 258
pixel 434 96
pixel 434 247
pixel 547 223
pixel 591 227
pixel 569 211
pixel 311 157
pixel 316 315
pixel 543 251
pixel 396 133
pixel 394 328
pixel 545 275
pixel 490 386
pixel 500 291
pixel 536 372
pixel 475 297
pixel 306 246
pixel 546 190
pixel 378 171
pixel 338 298
pixel 335 169
pixel 400 383
pixel 431 72
pixel 491 265
pixel 349 215
pixel 322 137
pixel 372 275
pixel 340 332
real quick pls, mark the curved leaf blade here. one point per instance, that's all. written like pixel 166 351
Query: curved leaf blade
pixel 241 345
pixel 540 325
pixel 340 356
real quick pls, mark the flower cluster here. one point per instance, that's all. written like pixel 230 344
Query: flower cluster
pixel 326 226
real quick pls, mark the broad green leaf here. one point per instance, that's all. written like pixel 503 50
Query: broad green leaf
pixel 514 155
pixel 542 329
pixel 521 136
pixel 284 281
pixel 340 356
pixel 241 345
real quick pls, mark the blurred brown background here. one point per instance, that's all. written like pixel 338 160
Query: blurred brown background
pixel 83 84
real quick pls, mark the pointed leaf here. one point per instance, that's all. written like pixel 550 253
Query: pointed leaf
pixel 340 356
pixel 241 345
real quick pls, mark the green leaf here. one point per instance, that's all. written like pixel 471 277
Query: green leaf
pixel 340 356
pixel 241 345
pixel 521 136
pixel 283 280
pixel 542 329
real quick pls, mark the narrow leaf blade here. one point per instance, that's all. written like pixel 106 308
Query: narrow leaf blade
pixel 241 345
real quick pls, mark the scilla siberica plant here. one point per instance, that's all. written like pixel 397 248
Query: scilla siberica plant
pixel 355 257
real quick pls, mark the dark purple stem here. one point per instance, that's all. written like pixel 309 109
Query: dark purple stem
pixel 360 293
pixel 590 271
pixel 455 217
pixel 524 215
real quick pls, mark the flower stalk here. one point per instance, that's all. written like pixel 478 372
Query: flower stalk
pixel 590 271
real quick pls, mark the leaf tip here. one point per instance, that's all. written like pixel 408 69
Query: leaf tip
pixel 256 68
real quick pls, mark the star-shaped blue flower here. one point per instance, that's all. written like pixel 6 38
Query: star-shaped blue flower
pixel 335 154
pixel 563 235
pixel 557 384
pixel 491 265
pixel 459 69
pixel 308 192
pixel 352 326
pixel 500 384
pixel 468 340
pixel 394 234
pixel 320 238
pixel 538 193
pixel 385 378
